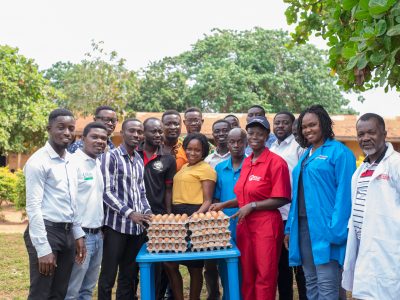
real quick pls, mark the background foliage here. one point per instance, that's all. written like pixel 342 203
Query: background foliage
pixel 228 71
pixel 26 98
pixel 363 36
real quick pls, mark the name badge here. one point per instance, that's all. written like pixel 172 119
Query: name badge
pixel 87 176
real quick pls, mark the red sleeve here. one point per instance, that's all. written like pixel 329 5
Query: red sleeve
pixel 280 180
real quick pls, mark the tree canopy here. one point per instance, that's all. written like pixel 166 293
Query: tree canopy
pixel 363 36
pixel 228 71
pixel 26 98
pixel 100 79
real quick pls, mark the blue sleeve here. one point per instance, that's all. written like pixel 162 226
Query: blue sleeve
pixel 345 166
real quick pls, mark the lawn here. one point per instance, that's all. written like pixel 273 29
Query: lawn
pixel 14 269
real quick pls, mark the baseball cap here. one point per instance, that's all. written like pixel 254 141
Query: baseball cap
pixel 259 121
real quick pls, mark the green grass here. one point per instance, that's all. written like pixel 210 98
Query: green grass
pixel 14 269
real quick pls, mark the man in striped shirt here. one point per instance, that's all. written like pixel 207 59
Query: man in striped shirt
pixel 126 213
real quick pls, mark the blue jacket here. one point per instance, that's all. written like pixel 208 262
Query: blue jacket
pixel 327 192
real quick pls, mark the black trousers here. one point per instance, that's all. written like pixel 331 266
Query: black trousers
pixel 119 256
pixel 211 275
pixel 62 244
pixel 285 278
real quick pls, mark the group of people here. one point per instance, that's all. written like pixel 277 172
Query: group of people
pixel 298 207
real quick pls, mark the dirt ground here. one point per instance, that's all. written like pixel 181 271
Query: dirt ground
pixel 12 220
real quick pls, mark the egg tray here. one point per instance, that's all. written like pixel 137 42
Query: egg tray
pixel 170 247
pixel 167 233
pixel 181 240
pixel 209 246
pixel 205 231
pixel 167 226
pixel 210 238
pixel 199 226
pixel 169 219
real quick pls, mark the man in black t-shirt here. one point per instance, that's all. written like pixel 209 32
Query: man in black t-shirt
pixel 159 171
pixel 159 168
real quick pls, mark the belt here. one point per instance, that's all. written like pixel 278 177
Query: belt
pixel 91 230
pixel 61 225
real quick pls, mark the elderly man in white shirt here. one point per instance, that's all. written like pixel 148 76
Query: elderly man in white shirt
pixel 89 188
pixel 287 147
pixel 54 232
pixel 372 262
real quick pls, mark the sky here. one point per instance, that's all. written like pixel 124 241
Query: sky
pixel 143 31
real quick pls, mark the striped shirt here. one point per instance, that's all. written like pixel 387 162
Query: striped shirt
pixel 124 190
pixel 362 190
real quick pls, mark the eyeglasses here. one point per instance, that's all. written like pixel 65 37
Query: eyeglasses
pixel 108 120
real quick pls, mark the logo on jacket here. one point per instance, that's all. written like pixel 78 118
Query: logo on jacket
pixel 158 165
pixel 383 176
pixel 254 178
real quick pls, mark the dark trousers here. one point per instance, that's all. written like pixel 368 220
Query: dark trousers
pixel 63 247
pixel 285 277
pixel 211 276
pixel 119 256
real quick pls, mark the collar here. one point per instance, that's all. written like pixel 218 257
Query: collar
pixel 262 158
pixel 287 141
pixel 366 160
pixel 84 155
pixel 215 153
pixel 52 153
pixel 158 152
pixel 125 152
pixel 229 164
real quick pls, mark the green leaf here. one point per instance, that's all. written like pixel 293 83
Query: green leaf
pixel 362 61
pixel 349 4
pixel 387 42
pixel 364 4
pixel 395 30
pixel 377 58
pixel 377 7
pixel 349 50
pixel 352 63
pixel 398 19
pixel 380 27
pixel 362 14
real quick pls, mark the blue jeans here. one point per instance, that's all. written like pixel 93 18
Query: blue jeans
pixel 84 277
pixel 322 281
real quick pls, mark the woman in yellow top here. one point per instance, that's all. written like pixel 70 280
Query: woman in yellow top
pixel 192 192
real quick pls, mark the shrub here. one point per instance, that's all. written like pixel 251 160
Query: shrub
pixel 20 201
pixel 8 183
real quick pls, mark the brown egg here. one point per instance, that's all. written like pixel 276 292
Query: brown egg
pixel 170 219
pixel 166 240
pixel 156 232
pixel 163 232
pixel 164 218
pixel 170 246
pixel 224 243
pixel 157 246
pixel 212 223
pixel 223 229
pixel 160 239
pixel 184 216
pixel 200 238
pixel 226 222
pixel 176 246
pixel 219 222
pixel 204 231
pixel 163 246
pixel 183 232
pixel 158 218
pixel 207 237
pixel 177 218
pixel 170 232
pixel 149 246
pixel 176 232
pixel 221 214
pixel 201 216
pixel 208 215
pixel 195 217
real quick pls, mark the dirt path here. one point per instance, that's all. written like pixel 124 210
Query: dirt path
pixel 12 220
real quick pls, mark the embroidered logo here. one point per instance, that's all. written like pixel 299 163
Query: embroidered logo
pixel 158 165
pixel 321 157
pixel 383 176
pixel 254 178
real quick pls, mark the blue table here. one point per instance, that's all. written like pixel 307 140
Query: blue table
pixel 146 262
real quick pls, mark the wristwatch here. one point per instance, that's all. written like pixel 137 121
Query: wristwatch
pixel 253 205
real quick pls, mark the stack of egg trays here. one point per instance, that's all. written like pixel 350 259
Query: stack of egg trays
pixel 210 234
pixel 167 236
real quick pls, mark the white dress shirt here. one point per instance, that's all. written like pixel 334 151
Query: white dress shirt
pixel 215 158
pixel 291 152
pixel 89 189
pixel 49 196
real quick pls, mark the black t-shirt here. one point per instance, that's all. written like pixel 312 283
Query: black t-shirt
pixel 158 172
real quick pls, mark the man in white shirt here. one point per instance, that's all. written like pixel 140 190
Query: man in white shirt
pixel 220 130
pixel 287 147
pixel 372 264
pixel 89 188
pixel 54 232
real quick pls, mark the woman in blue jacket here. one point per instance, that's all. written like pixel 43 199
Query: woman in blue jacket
pixel 316 229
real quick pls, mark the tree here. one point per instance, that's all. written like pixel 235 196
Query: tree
pixel 100 79
pixel 26 98
pixel 363 36
pixel 228 71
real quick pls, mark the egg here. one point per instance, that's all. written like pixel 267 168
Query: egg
pixel 221 213
pixel 170 218
pixel 184 217
pixel 156 232
pixel 164 218
pixel 219 222
pixel 157 218
pixel 212 223
pixel 163 246
pixel 208 215
pixel 177 218
pixel 157 246
pixel 201 216
pixel 172 240
pixel 195 217
pixel 200 238
pixel 176 246
pixel 149 246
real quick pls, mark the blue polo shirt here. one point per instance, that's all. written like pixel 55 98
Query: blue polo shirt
pixel 226 180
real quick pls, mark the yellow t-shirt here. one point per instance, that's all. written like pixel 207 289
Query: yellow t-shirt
pixel 187 188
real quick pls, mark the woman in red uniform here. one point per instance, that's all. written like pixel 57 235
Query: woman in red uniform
pixel 263 186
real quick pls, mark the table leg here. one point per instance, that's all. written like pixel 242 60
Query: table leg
pixel 233 278
pixel 146 281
